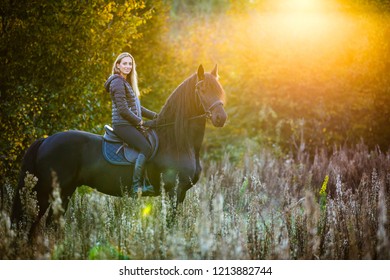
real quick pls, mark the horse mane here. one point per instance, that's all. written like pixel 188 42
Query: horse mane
pixel 173 120
pixel 175 116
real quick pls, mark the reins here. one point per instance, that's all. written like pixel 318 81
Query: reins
pixel 207 112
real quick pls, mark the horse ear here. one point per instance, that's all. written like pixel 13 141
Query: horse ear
pixel 200 73
pixel 215 71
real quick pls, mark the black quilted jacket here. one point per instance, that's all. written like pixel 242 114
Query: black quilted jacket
pixel 126 107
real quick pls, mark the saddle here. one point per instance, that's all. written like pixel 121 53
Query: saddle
pixel 118 152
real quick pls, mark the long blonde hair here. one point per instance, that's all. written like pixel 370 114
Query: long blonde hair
pixel 132 78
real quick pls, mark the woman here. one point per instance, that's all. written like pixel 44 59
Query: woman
pixel 127 113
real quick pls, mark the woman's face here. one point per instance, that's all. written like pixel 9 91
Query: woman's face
pixel 125 66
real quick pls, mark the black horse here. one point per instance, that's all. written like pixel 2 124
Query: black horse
pixel 76 156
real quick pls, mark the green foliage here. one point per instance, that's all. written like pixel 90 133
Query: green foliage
pixel 157 72
pixel 105 252
pixel 55 57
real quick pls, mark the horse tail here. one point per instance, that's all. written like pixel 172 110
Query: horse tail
pixel 28 165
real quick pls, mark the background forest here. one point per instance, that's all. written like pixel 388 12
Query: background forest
pixel 306 83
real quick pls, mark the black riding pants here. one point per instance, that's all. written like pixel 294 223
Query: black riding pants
pixel 134 138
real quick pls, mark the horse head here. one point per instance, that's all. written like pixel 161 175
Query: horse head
pixel 211 96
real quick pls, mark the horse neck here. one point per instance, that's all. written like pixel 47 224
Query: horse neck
pixel 176 130
pixel 197 130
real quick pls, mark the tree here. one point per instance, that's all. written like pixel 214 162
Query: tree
pixel 54 59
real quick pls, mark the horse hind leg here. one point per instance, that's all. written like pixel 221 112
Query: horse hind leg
pixel 43 191
pixel 57 201
pixel 52 201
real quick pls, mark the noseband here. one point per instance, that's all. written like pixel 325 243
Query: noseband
pixel 207 112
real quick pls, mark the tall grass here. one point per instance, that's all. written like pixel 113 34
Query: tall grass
pixel 331 206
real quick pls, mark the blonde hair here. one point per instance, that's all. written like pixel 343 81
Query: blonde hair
pixel 132 78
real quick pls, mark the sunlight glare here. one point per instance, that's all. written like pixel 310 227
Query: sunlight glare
pixel 309 43
pixel 301 5
pixel 303 18
pixel 147 210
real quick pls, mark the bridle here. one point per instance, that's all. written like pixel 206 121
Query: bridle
pixel 207 112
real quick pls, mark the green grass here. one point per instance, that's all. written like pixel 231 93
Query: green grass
pixel 264 207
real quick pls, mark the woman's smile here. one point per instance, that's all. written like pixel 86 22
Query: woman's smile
pixel 125 66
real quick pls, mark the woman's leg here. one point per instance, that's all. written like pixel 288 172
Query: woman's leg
pixel 134 138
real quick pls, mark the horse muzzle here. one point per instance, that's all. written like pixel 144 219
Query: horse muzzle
pixel 218 116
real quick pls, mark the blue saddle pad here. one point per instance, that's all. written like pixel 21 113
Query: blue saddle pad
pixel 116 152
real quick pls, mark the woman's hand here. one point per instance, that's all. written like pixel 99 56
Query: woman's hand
pixel 141 126
pixel 150 124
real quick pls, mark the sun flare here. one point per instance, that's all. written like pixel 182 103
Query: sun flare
pixel 301 5
pixel 315 36
pixel 303 19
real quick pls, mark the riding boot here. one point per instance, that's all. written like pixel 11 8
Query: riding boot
pixel 137 177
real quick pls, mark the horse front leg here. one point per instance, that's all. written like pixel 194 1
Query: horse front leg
pixel 177 194
pixel 198 170
pixel 176 197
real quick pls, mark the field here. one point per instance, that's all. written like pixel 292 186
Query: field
pixel 330 206
pixel 301 169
